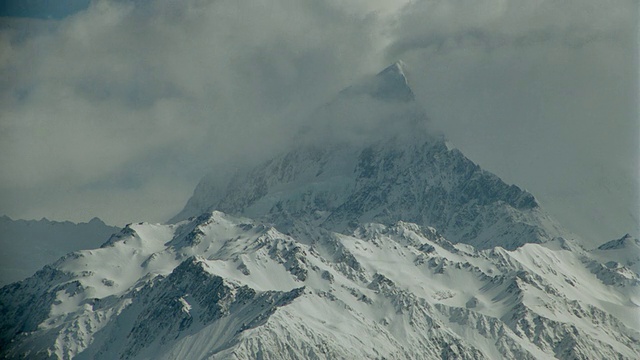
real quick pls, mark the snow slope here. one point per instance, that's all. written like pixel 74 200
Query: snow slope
pixel 392 245
pixel 620 254
pixel 404 173
pixel 225 287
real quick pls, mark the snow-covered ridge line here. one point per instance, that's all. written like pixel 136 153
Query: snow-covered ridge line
pixel 396 247
pixel 221 286
pixel 423 182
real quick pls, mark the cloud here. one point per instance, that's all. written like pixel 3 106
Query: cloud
pixel 543 93
pixel 119 109
pixel 42 8
pixel 447 25
pixel 106 90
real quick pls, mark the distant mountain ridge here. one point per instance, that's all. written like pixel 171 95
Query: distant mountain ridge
pixel 28 245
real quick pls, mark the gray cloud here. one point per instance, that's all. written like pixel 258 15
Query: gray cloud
pixel 542 93
pixel 498 23
pixel 162 90
pixel 118 110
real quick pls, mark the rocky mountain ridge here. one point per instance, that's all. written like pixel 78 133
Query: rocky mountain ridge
pixel 408 174
pixel 393 247
pixel 218 286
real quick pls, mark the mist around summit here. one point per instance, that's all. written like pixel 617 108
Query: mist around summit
pixel 396 247
pixel 117 110
pixel 319 179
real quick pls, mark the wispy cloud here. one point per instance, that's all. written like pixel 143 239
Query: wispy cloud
pixel 103 92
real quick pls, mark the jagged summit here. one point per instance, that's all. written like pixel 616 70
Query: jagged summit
pixel 395 74
pixel 621 255
pixel 398 66
pixel 372 158
pixel 626 241
pixel 390 85
pixel 376 108
pixel 393 84
pixel 423 182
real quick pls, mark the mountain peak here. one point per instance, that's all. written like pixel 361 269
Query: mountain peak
pixel 390 85
pixel 96 221
pixel 394 72
pixel 627 241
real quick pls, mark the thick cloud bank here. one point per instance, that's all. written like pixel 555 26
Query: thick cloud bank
pixel 117 110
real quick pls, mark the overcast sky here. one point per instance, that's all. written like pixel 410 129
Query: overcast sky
pixel 118 109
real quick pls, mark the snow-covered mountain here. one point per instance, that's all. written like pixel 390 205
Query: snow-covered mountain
pixel 28 245
pixel 391 245
pixel 401 174
pixel 223 287
pixel 622 254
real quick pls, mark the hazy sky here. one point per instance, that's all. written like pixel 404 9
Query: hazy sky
pixel 118 109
